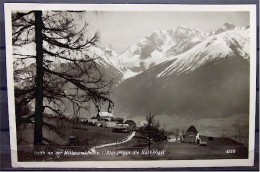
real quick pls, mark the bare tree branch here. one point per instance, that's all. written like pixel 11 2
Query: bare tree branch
pixel 71 77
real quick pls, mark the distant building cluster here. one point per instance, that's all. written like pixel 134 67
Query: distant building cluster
pixel 107 119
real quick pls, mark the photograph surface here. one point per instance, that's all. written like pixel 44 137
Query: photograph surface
pixel 115 85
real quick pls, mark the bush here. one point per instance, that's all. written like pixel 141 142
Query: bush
pixel 211 139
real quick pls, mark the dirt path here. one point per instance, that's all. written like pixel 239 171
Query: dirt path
pixel 128 138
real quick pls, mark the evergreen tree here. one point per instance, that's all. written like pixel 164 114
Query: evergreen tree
pixel 56 45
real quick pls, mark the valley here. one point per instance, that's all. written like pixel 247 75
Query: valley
pixel 184 76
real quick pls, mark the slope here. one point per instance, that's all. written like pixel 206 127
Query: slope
pixel 209 80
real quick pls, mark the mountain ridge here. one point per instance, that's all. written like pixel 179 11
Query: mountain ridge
pixel 162 45
pixel 215 72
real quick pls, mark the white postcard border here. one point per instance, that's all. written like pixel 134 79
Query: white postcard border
pixel 130 7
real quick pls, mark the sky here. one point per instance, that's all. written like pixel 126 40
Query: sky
pixel 120 29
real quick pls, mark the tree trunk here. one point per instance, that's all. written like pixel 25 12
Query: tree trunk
pixel 149 141
pixel 39 80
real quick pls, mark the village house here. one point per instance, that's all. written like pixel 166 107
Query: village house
pixel 191 135
pixel 121 128
pixel 108 124
pixel 104 116
pixel 118 120
pixel 132 124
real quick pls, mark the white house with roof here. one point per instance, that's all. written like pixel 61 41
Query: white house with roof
pixel 105 116
pixel 108 124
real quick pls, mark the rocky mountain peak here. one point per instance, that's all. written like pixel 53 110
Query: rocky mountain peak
pixel 183 32
pixel 225 27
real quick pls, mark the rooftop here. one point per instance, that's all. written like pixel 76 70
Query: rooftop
pixel 192 129
pixel 105 114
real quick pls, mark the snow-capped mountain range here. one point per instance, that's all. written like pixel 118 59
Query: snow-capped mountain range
pixel 157 47
pixel 228 43
pixel 184 45
pixel 208 79
pixel 146 53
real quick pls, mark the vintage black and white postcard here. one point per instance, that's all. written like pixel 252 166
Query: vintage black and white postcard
pixel 131 85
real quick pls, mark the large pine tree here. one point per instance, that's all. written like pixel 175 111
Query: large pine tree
pixel 57 45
